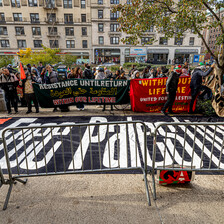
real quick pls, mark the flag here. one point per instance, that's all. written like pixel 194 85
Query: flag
pixel 22 73
pixel 68 70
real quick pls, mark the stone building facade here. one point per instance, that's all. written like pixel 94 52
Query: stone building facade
pixel 86 28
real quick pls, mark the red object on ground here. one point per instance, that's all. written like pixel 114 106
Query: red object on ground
pixel 22 73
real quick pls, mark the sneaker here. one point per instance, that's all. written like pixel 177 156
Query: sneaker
pixel 55 110
pixel 83 108
pixel 9 113
pixel 29 111
pixel 78 108
pixel 99 106
pixel 163 112
pixel 37 111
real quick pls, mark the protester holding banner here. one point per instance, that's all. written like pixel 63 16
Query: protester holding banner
pixel 87 74
pixel 171 89
pixel 196 82
pixel 53 78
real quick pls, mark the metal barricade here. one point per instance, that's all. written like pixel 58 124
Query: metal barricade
pixel 73 149
pixel 2 180
pixel 188 147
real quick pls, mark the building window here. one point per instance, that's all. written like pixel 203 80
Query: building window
pixel 36 31
pixel 4 43
pixel 34 17
pixel 54 44
pixel 100 27
pixel 114 2
pixel 83 4
pixel 52 31
pixel 21 43
pixel 114 27
pixel 68 18
pixel 151 29
pixel 178 41
pixel 83 18
pixel 84 44
pixel 51 17
pixel 32 3
pixel 37 43
pixel 114 40
pixel 17 16
pixel 100 2
pixel 0 2
pixel 100 14
pixel 101 40
pixel 67 4
pixel 15 3
pixel 3 30
pixel 84 31
pixel 146 40
pixel 69 31
pixel 2 17
pixel 114 16
pixel 50 4
pixel 163 41
pixel 20 31
pixel 70 44
pixel 191 41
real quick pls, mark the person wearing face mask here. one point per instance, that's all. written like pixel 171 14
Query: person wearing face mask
pixel 196 82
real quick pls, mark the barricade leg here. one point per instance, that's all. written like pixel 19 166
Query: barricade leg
pixel 153 185
pixel 21 181
pixel 7 197
pixel 147 188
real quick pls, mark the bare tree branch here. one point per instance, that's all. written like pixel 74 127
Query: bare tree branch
pixel 214 14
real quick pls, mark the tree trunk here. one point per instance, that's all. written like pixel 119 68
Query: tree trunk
pixel 214 83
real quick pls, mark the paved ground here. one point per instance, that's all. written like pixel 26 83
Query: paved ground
pixel 110 198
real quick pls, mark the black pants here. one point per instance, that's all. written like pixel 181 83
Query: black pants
pixel 170 101
pixel 31 97
pixel 11 100
pixel 194 93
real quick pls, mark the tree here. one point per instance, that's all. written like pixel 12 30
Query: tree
pixel 68 60
pixel 5 60
pixel 172 18
pixel 46 56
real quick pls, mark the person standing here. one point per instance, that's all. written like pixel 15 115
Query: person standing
pixel 196 82
pixel 29 91
pixel 87 74
pixel 171 89
pixel 8 83
pixel 53 78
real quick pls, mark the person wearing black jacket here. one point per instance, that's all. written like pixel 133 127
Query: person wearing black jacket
pixel 8 83
pixel 196 82
pixel 171 89
pixel 87 74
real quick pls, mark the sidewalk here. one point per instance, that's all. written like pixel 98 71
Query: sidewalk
pixel 112 198
pixel 109 198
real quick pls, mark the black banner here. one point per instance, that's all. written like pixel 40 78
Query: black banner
pixel 87 91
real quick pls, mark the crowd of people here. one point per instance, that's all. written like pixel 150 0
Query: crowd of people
pixel 17 89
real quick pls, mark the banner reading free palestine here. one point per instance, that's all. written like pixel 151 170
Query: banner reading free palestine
pixel 87 91
pixel 149 95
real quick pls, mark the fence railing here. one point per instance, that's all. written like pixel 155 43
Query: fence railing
pixel 188 147
pixel 72 149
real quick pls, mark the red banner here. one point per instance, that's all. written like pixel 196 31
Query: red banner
pixel 149 95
